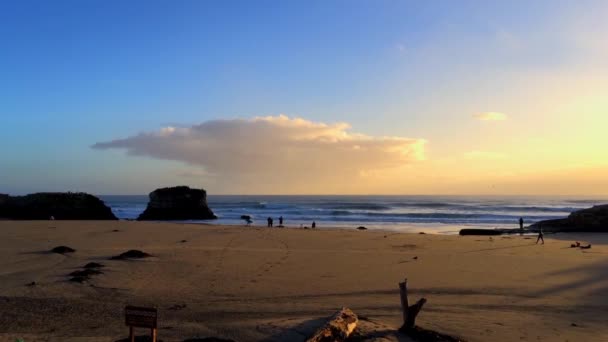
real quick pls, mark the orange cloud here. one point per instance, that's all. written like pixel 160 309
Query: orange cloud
pixel 275 151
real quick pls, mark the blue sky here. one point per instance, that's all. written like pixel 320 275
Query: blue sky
pixel 76 73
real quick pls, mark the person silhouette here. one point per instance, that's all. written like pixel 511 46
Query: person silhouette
pixel 314 224
pixel 269 219
pixel 280 220
pixel 521 223
pixel 540 235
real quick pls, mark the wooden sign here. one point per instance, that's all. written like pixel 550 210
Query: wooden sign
pixel 140 317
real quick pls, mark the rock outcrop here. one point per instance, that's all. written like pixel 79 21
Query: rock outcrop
pixel 587 220
pixel 177 203
pixel 59 205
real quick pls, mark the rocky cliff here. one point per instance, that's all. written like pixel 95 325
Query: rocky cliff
pixel 587 220
pixel 59 205
pixel 177 203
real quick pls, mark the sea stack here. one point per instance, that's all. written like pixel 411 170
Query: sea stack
pixel 56 205
pixel 594 219
pixel 177 203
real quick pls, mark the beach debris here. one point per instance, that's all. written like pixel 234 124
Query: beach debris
pixel 409 312
pixel 115 230
pixel 131 254
pixel 80 276
pixel 338 328
pixel 184 241
pixel 361 228
pixel 415 258
pixel 79 279
pixel 32 284
pixel 93 265
pixel 422 233
pixel 578 245
pixel 62 250
pixel 574 324
pixel 476 231
pixel 85 273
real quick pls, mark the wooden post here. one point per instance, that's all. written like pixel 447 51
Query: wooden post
pixel 153 334
pixel 409 312
pixel 131 335
pixel 404 301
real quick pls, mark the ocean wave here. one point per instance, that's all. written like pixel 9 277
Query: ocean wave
pixel 355 206
pixel 428 204
pixel 588 201
pixel 519 208
pixel 373 210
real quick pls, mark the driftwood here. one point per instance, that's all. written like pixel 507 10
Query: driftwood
pixel 409 312
pixel 338 328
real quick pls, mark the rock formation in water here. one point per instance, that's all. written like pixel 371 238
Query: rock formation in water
pixel 587 220
pixel 56 205
pixel 177 203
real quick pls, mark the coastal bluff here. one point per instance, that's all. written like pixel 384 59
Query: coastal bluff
pixel 177 203
pixel 59 205
pixel 593 219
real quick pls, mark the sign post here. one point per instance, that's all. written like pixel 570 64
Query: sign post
pixel 140 317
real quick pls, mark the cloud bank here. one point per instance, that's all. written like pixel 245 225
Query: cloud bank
pixel 275 151
pixel 491 116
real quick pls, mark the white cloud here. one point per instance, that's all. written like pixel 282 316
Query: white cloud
pixel 490 116
pixel 274 150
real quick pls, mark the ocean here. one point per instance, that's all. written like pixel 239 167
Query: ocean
pixel 430 214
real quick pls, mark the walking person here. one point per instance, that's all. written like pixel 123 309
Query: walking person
pixel 280 220
pixel 540 235
pixel 269 219
pixel 314 224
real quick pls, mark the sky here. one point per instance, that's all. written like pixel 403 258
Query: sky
pixel 305 97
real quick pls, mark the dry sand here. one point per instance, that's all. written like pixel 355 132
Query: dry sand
pixel 252 284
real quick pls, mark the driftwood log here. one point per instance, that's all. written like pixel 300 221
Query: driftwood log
pixel 338 328
pixel 409 312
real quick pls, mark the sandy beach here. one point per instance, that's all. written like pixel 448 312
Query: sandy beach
pixel 255 284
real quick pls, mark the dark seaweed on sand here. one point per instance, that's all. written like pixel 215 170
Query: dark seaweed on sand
pixel 131 254
pixel 62 250
pixel 85 273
